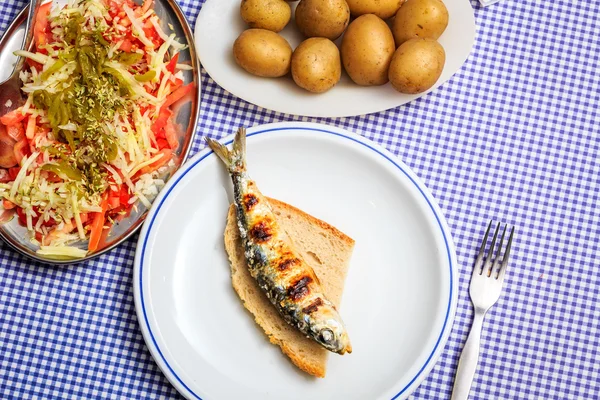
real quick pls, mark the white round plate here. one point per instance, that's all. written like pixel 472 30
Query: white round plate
pixel 400 293
pixel 219 24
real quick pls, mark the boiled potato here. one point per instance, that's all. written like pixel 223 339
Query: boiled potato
pixel 316 65
pixel 382 8
pixel 416 66
pixel 420 18
pixel 367 50
pixel 322 18
pixel 266 14
pixel 263 53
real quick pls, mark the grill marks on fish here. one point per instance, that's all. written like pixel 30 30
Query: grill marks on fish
pixel 314 306
pixel 287 261
pixel 300 289
pixel 262 231
pixel 250 200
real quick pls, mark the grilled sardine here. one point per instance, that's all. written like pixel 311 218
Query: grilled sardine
pixel 286 279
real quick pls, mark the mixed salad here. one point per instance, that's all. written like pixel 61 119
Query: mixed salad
pixel 96 133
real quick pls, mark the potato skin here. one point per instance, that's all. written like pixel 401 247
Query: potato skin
pixel 420 18
pixel 417 65
pixel 367 50
pixel 263 53
pixel 316 65
pixel 322 18
pixel 272 15
pixel 384 9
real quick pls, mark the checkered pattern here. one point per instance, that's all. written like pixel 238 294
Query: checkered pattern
pixel 512 136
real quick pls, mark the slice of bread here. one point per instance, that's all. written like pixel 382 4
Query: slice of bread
pixel 324 248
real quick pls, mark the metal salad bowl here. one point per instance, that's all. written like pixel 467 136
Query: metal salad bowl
pixel 186 115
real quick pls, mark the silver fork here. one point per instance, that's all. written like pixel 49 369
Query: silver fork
pixel 486 285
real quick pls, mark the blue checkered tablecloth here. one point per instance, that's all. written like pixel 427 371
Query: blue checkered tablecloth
pixel 513 136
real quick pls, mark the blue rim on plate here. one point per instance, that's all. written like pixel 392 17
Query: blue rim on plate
pixel 143 240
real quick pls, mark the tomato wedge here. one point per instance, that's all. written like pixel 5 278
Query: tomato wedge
pixel 13 117
pixel 8 205
pixel 34 220
pixel 161 121
pixel 13 172
pixel 171 65
pixel 171 134
pixel 126 46
pixel 41 24
pixel 21 150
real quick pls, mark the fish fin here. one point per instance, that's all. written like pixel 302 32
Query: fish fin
pixel 234 159
pixel 239 145
pixel 220 150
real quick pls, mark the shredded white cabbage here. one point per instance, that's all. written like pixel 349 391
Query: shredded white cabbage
pixel 58 208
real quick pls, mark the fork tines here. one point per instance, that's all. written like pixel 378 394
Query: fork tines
pixel 489 263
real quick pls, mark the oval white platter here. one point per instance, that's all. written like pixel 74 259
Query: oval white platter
pixel 219 24
pixel 400 295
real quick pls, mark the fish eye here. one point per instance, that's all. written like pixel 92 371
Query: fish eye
pixel 327 335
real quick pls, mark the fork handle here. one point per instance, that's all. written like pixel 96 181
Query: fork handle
pixel 468 360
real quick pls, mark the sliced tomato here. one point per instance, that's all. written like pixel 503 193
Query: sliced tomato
pixel 114 194
pixel 143 109
pixel 178 94
pixel 48 223
pixel 172 63
pixel 171 134
pixel 13 172
pixel 125 21
pixel 126 45
pixel 124 196
pixel 34 64
pixel 13 117
pixel 52 177
pixel 21 150
pixel 163 116
pixel 23 218
pixel 162 144
pixel 152 34
pixel 41 25
pixel 113 202
pixel 8 205
pixel 117 5
pixel 175 84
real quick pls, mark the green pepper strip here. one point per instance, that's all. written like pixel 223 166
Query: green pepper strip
pixel 148 76
pixel 58 64
pixel 129 58
pixel 63 170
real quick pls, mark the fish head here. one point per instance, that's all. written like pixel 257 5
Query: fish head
pixel 333 336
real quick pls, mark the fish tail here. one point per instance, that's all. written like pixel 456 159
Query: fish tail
pixel 234 159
